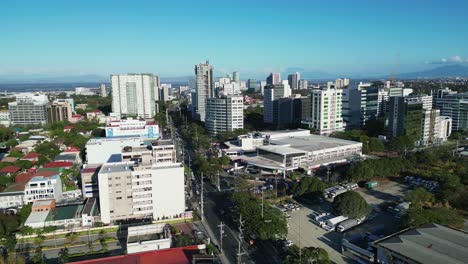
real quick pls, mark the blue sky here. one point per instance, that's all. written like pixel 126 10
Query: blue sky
pixel 255 37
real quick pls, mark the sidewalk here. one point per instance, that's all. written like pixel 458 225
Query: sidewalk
pixel 213 239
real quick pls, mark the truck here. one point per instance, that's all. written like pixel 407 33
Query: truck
pixel 351 186
pixel 350 223
pixel 372 184
pixel 335 193
pixel 330 224
pixel 320 221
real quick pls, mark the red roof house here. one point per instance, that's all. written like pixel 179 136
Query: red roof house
pixel 59 164
pixel 72 149
pixel 181 255
pixel 31 156
pixel 8 170
pixel 23 177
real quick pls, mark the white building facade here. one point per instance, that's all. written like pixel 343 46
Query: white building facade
pixel 135 94
pixel 326 106
pixel 132 128
pixel 224 114
pixel 204 86
pixel 43 188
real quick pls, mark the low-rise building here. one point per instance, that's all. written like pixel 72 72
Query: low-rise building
pixel 44 188
pixel 290 150
pixel 432 243
pixel 132 128
pixel 148 238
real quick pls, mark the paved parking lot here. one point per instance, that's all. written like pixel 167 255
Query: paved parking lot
pixel 388 191
pixel 306 234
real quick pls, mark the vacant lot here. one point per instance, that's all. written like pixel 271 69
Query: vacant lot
pixel 388 191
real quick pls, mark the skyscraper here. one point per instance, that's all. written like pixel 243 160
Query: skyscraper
pixel 59 111
pixel 236 77
pixel 253 86
pixel 273 92
pixel 293 80
pixel 103 90
pixel 274 78
pixel 135 94
pixel 204 87
pixel 303 84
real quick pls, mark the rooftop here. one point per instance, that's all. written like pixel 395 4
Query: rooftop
pixel 313 142
pixel 116 167
pixel 36 217
pixel 58 164
pixel 14 187
pixel 181 255
pixel 10 169
pixel 10 159
pixel 31 155
pixel 431 243
pixel 65 212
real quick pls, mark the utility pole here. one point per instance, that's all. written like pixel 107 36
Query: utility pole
pixel 201 198
pixel 218 183
pixel 276 185
pixel 239 253
pixel 221 234
pixel 262 204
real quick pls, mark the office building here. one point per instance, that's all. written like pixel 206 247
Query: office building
pixel 287 112
pixel 28 109
pixel 236 77
pixel 103 90
pixel 135 95
pixel 262 87
pixel 141 188
pixel 406 118
pixel 445 128
pixel 43 188
pixel 414 117
pixel 430 243
pixel 204 89
pixel 439 95
pixel 293 80
pixel 165 92
pixel 360 104
pixel 253 86
pixel 225 114
pixel 273 78
pixel 85 91
pixel 59 111
pixel 455 106
pixel 341 83
pixel 5 118
pixel 273 92
pixel 71 101
pixel 325 111
pixel 303 84
pixel 229 89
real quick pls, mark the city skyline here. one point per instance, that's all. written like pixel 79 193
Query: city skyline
pixel 335 38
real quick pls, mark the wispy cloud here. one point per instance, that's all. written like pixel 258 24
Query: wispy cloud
pixel 453 59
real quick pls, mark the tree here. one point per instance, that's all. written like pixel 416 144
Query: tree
pixel 24 164
pixel 12 143
pixel 420 197
pixel 13 259
pixel 24 212
pixel 351 204
pixel 306 256
pixel 16 154
pixel 417 216
pixel 64 255
pixel 71 237
pixel 307 185
pixel 272 224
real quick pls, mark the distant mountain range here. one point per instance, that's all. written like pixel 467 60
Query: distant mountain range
pixel 446 71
